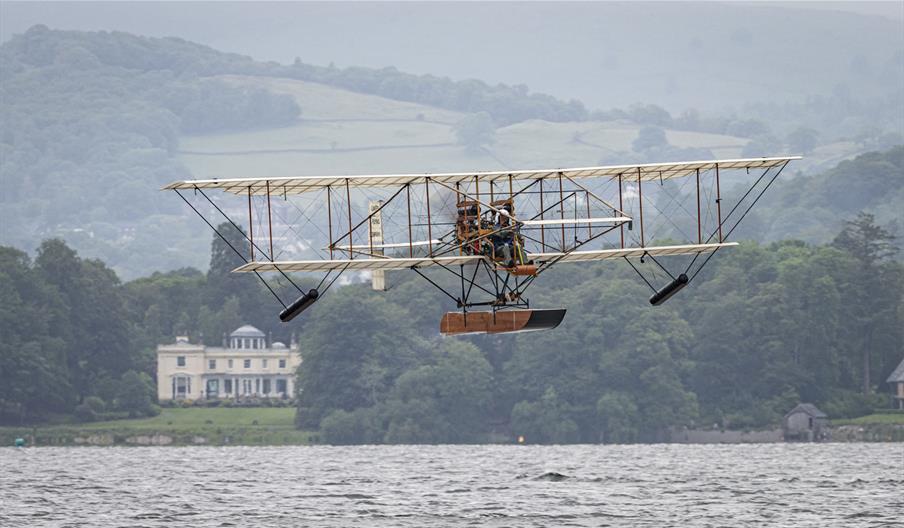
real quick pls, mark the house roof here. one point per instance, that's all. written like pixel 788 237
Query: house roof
pixel 897 376
pixel 808 408
pixel 247 331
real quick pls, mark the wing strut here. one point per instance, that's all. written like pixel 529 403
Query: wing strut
pixel 683 279
pixel 733 209
pixel 246 261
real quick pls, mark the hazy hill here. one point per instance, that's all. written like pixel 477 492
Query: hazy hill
pixel 706 55
pixel 352 133
pixel 94 123
pixel 814 207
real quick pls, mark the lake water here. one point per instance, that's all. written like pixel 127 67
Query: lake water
pixel 815 485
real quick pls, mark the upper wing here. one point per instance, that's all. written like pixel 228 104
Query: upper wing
pixel 302 184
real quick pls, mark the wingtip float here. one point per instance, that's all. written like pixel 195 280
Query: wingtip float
pixel 301 304
pixel 670 289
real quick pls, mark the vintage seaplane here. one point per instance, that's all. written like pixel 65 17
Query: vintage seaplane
pixel 496 232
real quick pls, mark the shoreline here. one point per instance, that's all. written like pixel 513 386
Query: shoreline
pixel 75 436
pixel 275 426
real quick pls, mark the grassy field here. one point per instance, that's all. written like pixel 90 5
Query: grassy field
pixel 883 418
pixel 347 133
pixel 190 418
pixel 319 101
pixel 209 426
pixel 343 132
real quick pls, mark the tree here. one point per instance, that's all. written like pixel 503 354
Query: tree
pixel 870 246
pixel 762 145
pixel 135 394
pixel 475 131
pixel 349 329
pixel 214 324
pixel 447 400
pixel 867 242
pixel 546 421
pixel 650 115
pixel 361 426
pixel 95 329
pixel 618 415
pixel 649 137
pixel 34 379
pixel 802 140
pixel 747 128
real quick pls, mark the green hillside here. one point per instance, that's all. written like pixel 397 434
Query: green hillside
pixel 93 124
pixel 352 133
pixel 349 132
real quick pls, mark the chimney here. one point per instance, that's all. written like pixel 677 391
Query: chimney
pixel 224 340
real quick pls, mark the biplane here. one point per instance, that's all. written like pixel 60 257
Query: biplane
pixel 494 232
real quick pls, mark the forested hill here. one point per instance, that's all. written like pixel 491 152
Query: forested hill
pixel 41 47
pixel 814 207
pixel 92 124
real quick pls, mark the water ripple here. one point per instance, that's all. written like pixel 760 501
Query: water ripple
pixel 439 486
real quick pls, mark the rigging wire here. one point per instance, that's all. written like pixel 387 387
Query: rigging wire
pixel 755 200
pixel 228 243
pixel 244 235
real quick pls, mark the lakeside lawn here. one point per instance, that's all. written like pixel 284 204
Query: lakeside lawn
pixel 879 418
pixel 199 417
pixel 215 425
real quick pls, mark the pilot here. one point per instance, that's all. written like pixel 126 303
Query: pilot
pixel 503 239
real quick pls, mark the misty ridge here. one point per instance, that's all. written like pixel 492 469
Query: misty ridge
pixel 152 110
pixel 95 122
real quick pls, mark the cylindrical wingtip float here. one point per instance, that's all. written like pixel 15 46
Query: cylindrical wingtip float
pixel 668 290
pixel 506 226
pixel 301 304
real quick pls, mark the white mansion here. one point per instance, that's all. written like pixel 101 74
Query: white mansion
pixel 244 366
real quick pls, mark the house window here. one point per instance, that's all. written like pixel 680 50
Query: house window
pixel 227 386
pixel 266 386
pixel 254 343
pixel 246 386
pixel 247 363
pixel 282 363
pixel 211 364
pixel 181 387
pixel 281 386
pixel 213 388
pixel 180 361
pixel 257 385
pixel 264 363
pixel 229 363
